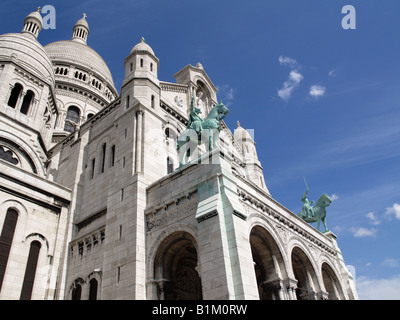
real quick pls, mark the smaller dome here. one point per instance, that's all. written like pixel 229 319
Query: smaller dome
pixel 241 134
pixel 142 46
pixel 35 15
pixel 82 22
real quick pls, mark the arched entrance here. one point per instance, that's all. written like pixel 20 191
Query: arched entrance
pixel 268 264
pixel 331 283
pixel 304 274
pixel 175 268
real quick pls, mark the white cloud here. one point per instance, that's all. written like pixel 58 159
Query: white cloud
pixel 286 61
pixel 363 232
pixel 373 219
pixel 392 263
pixel 292 83
pixel 334 197
pixel 332 73
pixel 317 91
pixel 393 210
pixel 226 93
pixel 378 289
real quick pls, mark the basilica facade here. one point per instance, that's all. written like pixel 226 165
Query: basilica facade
pixel 94 203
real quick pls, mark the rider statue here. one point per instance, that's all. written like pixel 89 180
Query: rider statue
pixel 195 120
pixel 307 209
pixel 316 213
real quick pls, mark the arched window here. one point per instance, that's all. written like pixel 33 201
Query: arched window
pixel 93 289
pixel 127 102
pixel 170 165
pixel 92 168
pixel 30 272
pixel 77 292
pixel 151 67
pixel 153 98
pixel 73 115
pixel 141 63
pixel 8 155
pixel 90 116
pixel 103 157
pixel 6 239
pixel 14 96
pixel 27 102
pixel 112 162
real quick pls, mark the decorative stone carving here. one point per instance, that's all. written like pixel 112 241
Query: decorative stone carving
pixel 167 216
pixel 179 101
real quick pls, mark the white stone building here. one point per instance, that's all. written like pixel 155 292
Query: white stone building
pixel 93 204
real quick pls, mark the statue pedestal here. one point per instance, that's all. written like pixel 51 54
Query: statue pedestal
pixel 330 235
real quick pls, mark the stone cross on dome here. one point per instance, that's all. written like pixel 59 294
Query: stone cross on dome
pixel 84 15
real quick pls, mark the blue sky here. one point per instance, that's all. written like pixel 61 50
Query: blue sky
pixel 324 102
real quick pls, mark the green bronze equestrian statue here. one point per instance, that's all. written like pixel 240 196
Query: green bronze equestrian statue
pixel 200 131
pixel 316 213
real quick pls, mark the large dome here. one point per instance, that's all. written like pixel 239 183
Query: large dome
pixel 27 52
pixel 79 54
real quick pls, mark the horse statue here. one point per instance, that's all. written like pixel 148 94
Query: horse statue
pixel 200 131
pixel 317 213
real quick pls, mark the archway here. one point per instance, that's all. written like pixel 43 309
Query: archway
pixel 175 268
pixel 268 264
pixel 331 283
pixel 304 274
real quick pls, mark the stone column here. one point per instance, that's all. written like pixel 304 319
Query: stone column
pixel 134 125
pixel 276 286
pixel 139 130
pixel 291 286
pixel 161 288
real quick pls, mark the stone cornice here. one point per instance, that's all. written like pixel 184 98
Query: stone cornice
pixel 173 87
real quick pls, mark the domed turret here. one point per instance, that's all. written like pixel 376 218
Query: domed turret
pixel 33 24
pixel 141 63
pixel 81 30
pixel 242 135
pixel 142 46
pixel 254 171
